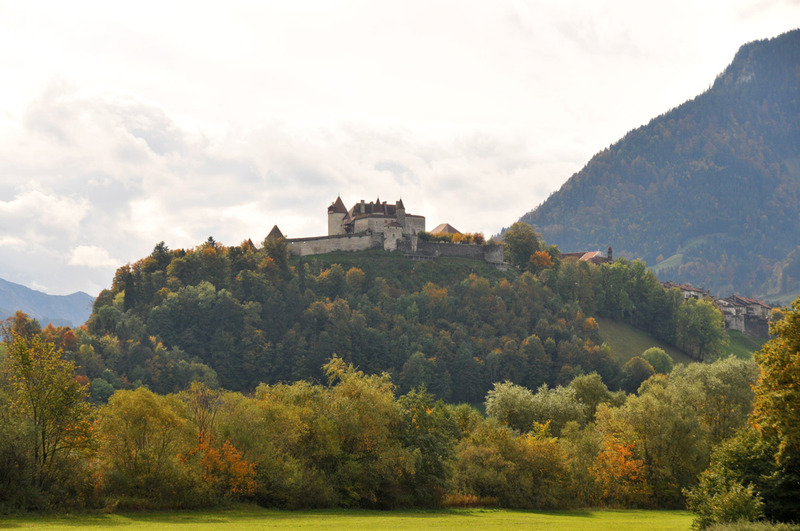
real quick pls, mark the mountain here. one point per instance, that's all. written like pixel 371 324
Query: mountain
pixel 72 310
pixel 707 193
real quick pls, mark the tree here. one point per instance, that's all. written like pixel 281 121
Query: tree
pixel 729 489
pixel 47 396
pixel 428 428
pixel 776 415
pixel 722 392
pixel 511 405
pixel 20 324
pixel 666 430
pixel 700 329
pixel 499 465
pixel 634 372
pixel 521 242
pixel 142 435
pixel 367 418
pixel 590 390
pixel 658 359
pixel 556 407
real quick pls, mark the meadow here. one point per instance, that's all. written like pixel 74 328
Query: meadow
pixel 257 518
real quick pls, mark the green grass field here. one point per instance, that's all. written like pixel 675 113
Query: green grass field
pixel 626 341
pixel 743 346
pixel 257 518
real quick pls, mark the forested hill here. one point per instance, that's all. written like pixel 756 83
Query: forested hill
pixel 708 193
pixel 238 316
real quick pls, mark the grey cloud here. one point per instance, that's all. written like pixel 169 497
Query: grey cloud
pixel 402 175
pixel 143 178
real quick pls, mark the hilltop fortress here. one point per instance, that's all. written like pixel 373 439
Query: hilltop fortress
pixel 381 225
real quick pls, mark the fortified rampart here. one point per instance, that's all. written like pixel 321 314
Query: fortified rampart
pixel 422 250
pixel 413 248
pixel 329 244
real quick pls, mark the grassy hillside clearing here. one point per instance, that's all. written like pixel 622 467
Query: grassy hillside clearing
pixel 257 518
pixel 743 346
pixel 626 341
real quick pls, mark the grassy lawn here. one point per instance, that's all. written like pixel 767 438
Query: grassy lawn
pixel 257 518
pixel 626 341
pixel 743 346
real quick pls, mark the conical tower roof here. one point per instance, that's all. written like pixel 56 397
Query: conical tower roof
pixel 337 207
pixel 274 233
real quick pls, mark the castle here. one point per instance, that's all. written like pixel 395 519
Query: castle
pixel 381 225
pixel 375 217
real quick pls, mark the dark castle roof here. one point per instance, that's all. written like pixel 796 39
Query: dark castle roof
pixel 337 207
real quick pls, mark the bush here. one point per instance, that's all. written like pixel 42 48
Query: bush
pixel 713 503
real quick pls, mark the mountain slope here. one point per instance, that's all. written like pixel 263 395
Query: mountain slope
pixel 72 310
pixel 708 193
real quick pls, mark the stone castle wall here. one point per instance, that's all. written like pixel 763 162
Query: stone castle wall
pixel 411 247
pixel 492 254
pixel 329 244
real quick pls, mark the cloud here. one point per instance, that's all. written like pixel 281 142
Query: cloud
pixel 111 175
pixel 143 129
pixel 51 212
pixel 91 256
pixel 10 241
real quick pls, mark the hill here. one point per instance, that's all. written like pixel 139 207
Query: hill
pixel 707 193
pixel 239 316
pixel 72 310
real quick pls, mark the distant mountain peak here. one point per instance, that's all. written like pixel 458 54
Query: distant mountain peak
pixel 72 310
pixel 707 193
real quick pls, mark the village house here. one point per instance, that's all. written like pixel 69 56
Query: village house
pixel 688 291
pixel 747 315
pixel 594 257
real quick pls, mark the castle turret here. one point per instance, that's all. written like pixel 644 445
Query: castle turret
pixel 336 214
pixel 400 212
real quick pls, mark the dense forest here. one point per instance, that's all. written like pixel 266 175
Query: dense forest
pixel 707 193
pixel 218 374
pixel 239 316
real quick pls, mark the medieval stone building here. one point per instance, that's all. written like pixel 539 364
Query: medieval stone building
pixel 374 217
pixel 381 225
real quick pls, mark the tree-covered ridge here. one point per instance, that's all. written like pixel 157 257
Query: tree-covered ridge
pixel 707 193
pixel 239 316
pixel 252 317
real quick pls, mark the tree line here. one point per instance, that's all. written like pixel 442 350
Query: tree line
pixel 352 441
pixel 717 436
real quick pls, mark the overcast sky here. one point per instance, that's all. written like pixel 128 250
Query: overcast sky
pixel 123 124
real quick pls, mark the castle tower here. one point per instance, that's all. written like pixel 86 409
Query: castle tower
pixel 336 214
pixel 400 212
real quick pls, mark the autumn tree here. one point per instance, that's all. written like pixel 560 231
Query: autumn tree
pixel 521 242
pixel 142 436
pixel 776 414
pixel 619 469
pixel 497 464
pixel 46 395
